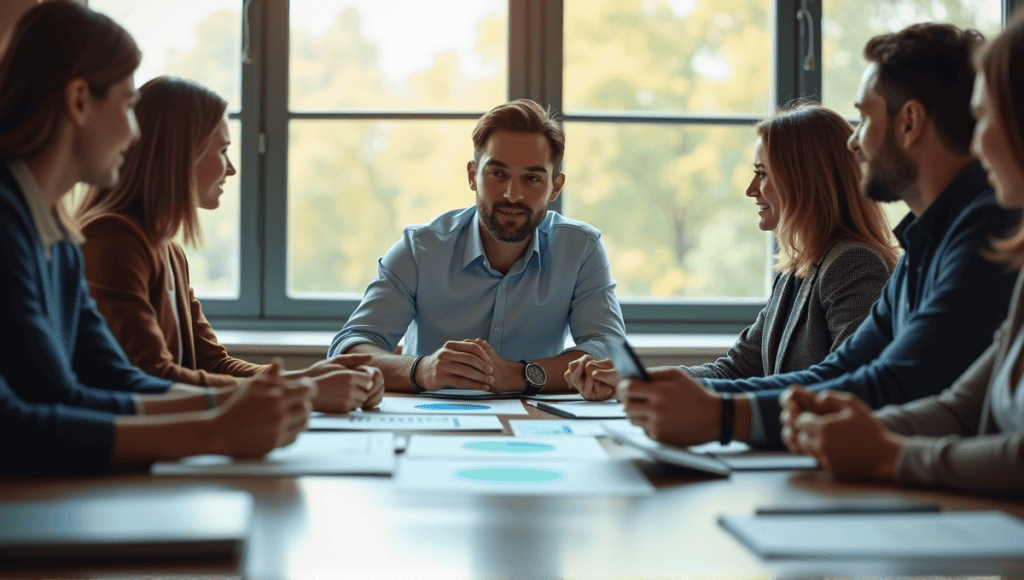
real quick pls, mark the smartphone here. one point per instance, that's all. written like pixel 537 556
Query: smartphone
pixel 626 362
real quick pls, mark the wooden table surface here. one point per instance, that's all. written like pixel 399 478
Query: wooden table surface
pixel 360 527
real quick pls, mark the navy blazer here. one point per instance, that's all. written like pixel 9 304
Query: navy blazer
pixel 58 348
pixel 936 314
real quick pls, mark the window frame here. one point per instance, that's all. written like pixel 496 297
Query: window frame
pixel 535 72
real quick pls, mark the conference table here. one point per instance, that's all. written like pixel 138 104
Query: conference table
pixel 361 527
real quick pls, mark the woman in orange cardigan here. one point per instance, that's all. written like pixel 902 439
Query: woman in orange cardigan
pixel 139 277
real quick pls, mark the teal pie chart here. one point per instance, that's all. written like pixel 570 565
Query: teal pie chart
pixel 509 446
pixel 452 407
pixel 509 474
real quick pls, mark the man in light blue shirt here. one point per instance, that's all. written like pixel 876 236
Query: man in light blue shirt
pixel 486 296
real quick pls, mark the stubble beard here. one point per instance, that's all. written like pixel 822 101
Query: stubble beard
pixel 491 223
pixel 890 174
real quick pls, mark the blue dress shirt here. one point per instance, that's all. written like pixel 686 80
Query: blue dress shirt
pixel 935 316
pixel 436 285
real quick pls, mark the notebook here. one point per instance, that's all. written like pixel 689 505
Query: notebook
pixel 193 523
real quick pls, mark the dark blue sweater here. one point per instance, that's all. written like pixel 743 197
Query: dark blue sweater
pixel 58 350
pixel 935 316
pixel 40 439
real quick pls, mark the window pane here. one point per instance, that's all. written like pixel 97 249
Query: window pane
pixel 668 55
pixel 196 39
pixel 200 40
pixel 214 266
pixel 847 26
pixel 354 185
pixel 669 201
pixel 393 54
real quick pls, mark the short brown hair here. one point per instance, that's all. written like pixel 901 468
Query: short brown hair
pixel 52 44
pixel 1001 61
pixel 177 119
pixel 522 116
pixel 929 63
pixel 818 184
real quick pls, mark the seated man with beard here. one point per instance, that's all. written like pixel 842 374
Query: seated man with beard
pixel 946 296
pixel 487 295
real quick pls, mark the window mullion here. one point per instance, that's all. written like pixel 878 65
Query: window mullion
pixel 274 175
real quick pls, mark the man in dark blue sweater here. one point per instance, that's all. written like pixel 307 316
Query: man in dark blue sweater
pixel 945 298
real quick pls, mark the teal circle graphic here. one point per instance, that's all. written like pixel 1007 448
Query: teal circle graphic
pixel 451 407
pixel 509 474
pixel 510 446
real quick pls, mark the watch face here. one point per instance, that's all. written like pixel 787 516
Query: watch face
pixel 535 374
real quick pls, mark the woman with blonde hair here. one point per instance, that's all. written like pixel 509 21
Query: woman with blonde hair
pixel 139 277
pixel 970 436
pixel 835 253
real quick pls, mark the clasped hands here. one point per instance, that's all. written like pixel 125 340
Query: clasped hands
pixel 469 364
pixel 344 383
pixel 840 431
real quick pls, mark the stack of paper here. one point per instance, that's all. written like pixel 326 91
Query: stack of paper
pixel 311 454
pixel 983 534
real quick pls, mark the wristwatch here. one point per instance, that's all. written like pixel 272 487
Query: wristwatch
pixel 535 377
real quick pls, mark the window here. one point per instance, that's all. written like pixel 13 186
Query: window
pixel 199 40
pixel 353 120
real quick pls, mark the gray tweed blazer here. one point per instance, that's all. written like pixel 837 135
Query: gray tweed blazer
pixel 953 441
pixel 833 299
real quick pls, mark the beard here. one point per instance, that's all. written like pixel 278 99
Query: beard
pixel 510 234
pixel 890 173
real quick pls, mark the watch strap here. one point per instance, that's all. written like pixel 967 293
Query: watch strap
pixel 728 419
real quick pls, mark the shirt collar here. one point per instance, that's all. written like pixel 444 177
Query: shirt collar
pixel 475 245
pixel 49 229
pixel 935 220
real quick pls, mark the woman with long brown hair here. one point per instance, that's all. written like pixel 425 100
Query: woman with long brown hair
pixel 835 253
pixel 970 436
pixel 70 401
pixel 139 276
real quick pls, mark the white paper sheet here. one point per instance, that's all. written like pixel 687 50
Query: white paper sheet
pixel 583 409
pixel 535 427
pixel 518 478
pixel 505 448
pixel 311 454
pixel 396 422
pixel 983 534
pixel 429 405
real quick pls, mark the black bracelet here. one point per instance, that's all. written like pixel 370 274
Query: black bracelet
pixel 412 374
pixel 728 419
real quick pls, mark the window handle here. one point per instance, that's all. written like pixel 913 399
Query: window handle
pixel 806 24
pixel 246 33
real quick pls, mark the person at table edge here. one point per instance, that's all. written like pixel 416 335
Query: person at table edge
pixel 487 295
